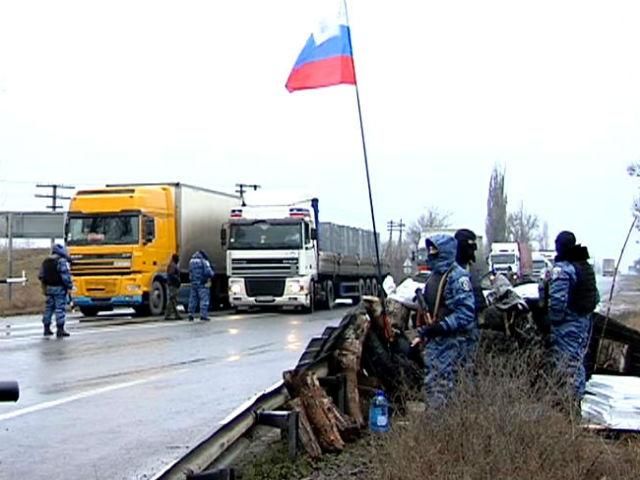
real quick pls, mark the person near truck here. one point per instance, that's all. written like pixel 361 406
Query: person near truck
pixel 450 337
pixel 173 284
pixel 55 278
pixel 200 274
pixel 572 298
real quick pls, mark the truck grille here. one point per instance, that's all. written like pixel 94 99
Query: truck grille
pixel 264 267
pixel 267 287
pixel 105 264
pixel 101 288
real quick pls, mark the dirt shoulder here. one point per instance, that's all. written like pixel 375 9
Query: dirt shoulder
pixel 28 298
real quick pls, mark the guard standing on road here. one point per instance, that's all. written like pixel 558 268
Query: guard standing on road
pixel 55 277
pixel 452 333
pixel 573 296
pixel 200 273
pixel 173 282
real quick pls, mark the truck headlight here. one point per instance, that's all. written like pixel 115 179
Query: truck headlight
pixel 122 263
pixel 295 287
pixel 133 288
pixel 235 287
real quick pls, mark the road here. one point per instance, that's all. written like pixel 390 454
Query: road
pixel 120 400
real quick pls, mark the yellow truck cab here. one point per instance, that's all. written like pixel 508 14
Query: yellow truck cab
pixel 121 238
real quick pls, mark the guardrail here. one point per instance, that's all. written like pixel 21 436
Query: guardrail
pixel 22 280
pixel 219 449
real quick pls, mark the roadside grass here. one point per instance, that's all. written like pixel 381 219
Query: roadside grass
pixel 26 298
pixel 504 423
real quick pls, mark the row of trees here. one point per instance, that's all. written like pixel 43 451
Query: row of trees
pixel 500 226
pixel 516 226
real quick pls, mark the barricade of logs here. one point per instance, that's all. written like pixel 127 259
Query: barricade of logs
pixel 365 339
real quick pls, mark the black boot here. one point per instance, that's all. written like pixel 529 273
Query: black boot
pixel 61 332
pixel 47 331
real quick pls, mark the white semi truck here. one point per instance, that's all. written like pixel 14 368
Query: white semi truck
pixel 282 256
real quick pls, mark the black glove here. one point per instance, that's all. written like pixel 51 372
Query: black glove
pixel 432 331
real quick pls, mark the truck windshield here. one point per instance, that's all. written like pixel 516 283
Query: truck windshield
pixel 503 258
pixel 539 264
pixel 104 230
pixel 264 236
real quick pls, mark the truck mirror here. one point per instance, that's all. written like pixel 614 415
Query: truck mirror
pixel 413 256
pixel 149 229
pixel 223 237
pixel 314 234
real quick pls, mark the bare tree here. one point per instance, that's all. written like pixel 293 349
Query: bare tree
pixel 434 218
pixel 496 223
pixel 522 226
pixel 543 238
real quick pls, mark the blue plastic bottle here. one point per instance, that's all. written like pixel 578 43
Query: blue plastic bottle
pixel 379 413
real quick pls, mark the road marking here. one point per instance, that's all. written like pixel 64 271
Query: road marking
pixel 90 393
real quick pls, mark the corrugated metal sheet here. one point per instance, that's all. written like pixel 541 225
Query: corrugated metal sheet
pixel 346 240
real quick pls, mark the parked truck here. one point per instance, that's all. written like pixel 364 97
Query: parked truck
pixel 608 267
pixel 121 238
pixel 512 259
pixel 540 264
pixel 283 256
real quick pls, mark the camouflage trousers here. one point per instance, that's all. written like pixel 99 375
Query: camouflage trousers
pixel 445 358
pixel 568 346
pixel 56 303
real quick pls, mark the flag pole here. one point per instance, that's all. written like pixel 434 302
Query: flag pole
pixel 366 161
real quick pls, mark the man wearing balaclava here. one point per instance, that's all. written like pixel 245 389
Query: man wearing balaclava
pixel 466 258
pixel 572 299
pixel 451 336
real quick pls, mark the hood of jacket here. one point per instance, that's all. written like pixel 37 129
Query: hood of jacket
pixel 446 256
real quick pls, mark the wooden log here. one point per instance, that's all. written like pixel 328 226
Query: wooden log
pixel 317 406
pixel 348 355
pixel 305 430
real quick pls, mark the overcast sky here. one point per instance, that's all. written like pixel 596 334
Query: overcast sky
pixel 193 91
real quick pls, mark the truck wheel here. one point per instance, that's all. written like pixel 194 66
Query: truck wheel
pixel 367 287
pixel 330 297
pixel 156 298
pixel 375 289
pixel 89 311
pixel 361 289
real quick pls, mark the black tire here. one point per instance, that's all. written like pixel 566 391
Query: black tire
pixel 89 311
pixel 157 298
pixel 361 289
pixel 330 297
pixel 375 288
pixel 367 287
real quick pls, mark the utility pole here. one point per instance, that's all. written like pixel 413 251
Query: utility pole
pixel 242 188
pixel 391 227
pixel 401 226
pixel 55 196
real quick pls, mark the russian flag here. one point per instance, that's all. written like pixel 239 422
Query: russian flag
pixel 327 57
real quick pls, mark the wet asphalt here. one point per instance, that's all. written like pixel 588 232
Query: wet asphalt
pixel 121 398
